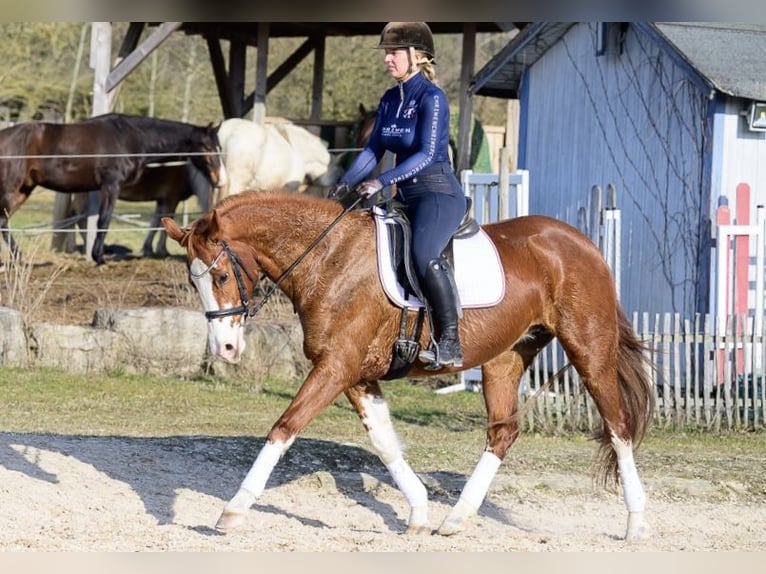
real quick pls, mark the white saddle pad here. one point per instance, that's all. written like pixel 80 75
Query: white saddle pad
pixel 478 273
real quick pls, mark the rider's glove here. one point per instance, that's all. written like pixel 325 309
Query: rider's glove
pixel 368 188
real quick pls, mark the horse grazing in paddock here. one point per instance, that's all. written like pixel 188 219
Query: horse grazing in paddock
pixel 274 156
pixel 556 284
pixel 105 153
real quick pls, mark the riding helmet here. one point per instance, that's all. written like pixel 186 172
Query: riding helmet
pixel 405 34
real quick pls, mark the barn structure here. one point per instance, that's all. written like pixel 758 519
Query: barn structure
pixel 227 44
pixel 142 38
pixel 672 118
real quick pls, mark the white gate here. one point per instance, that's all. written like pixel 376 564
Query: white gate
pixel 493 200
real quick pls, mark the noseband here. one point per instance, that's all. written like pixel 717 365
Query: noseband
pixel 236 265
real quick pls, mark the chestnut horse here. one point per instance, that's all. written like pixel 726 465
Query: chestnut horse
pixel 556 285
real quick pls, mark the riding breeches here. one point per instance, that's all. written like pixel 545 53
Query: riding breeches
pixel 435 205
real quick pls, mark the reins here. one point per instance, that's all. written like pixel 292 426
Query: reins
pixel 237 263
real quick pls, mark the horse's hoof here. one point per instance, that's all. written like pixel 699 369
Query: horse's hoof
pixel 638 528
pixel 457 518
pixel 418 530
pixel 229 521
pixel 451 527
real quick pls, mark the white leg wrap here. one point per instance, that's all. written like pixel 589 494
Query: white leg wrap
pixel 632 489
pixel 259 473
pixel 475 490
pixel 408 482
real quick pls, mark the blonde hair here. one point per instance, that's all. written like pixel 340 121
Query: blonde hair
pixel 424 64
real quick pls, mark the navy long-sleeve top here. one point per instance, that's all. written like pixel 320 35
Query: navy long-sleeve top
pixel 413 122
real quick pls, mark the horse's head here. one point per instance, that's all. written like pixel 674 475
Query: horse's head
pixel 222 279
pixel 364 124
pixel 211 161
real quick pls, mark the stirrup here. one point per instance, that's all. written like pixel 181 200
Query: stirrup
pixel 433 362
pixel 430 358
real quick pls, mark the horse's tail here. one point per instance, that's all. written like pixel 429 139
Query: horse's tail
pixel 636 393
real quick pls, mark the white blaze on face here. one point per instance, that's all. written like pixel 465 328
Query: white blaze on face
pixel 225 338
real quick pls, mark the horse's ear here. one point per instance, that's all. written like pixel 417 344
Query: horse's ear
pixel 362 109
pixel 214 228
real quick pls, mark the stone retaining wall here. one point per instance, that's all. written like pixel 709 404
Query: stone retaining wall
pixel 149 340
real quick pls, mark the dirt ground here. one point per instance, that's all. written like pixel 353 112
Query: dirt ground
pixel 83 493
pixel 78 493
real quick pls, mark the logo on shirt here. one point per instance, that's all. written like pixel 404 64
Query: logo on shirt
pixel 409 111
pixel 394 131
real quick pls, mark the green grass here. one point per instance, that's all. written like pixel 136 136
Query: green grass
pixel 440 432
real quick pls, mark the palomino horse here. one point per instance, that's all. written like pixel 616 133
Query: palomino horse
pixel 104 153
pixel 274 156
pixel 556 285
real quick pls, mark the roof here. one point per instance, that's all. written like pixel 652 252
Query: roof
pixel 501 76
pixel 248 31
pixel 732 57
pixel 727 56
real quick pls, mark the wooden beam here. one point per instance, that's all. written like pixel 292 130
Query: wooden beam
pixel 282 71
pixel 221 77
pixel 138 55
pixel 465 113
pixel 317 84
pixel 261 74
pixel 237 68
pixel 130 41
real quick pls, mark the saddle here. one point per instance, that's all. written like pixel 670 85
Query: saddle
pixel 400 235
pixel 400 281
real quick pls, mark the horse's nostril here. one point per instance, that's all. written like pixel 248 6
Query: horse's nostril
pixel 229 347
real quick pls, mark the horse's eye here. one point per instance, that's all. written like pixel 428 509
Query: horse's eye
pixel 222 279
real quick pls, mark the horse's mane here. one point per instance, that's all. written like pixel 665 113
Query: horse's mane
pixel 280 200
pixel 142 122
pixel 298 211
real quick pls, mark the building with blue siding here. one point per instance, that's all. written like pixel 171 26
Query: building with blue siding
pixel 672 115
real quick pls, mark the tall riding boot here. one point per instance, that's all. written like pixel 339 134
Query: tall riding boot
pixel 439 291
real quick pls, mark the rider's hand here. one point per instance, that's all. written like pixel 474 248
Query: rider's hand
pixel 368 188
pixel 338 191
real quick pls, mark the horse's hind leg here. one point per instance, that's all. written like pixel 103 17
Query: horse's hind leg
pixel 369 403
pixel 613 371
pixel 500 383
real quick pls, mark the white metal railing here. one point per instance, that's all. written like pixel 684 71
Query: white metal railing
pixel 493 200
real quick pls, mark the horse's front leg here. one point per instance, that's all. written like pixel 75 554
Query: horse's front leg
pixel 369 403
pixel 500 381
pixel 318 391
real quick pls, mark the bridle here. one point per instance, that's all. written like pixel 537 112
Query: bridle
pixel 236 264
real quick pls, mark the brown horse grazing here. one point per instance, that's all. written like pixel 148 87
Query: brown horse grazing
pixel 556 285
pixel 104 153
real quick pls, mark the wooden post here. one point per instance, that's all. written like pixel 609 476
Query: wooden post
pixel 69 204
pixel 317 84
pixel 261 74
pixel 465 113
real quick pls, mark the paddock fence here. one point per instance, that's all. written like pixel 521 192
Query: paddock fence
pixel 702 377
